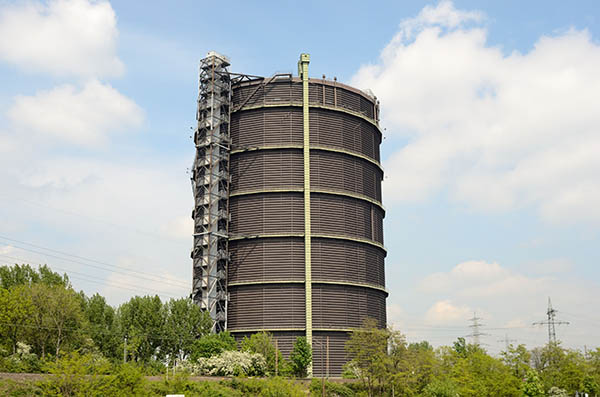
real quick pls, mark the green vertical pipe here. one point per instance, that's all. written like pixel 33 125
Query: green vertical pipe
pixel 303 72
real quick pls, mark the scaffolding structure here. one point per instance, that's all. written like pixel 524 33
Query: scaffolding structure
pixel 210 184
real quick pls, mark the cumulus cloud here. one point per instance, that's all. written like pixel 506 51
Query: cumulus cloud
pixel 443 15
pixel 496 131
pixel 445 312
pixel 6 249
pixel 62 37
pixel 507 300
pixel 81 117
pixel 119 287
pixel 111 210
pixel 479 279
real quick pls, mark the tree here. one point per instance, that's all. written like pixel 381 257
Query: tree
pixel 101 325
pixel 440 388
pixel 532 387
pixel 185 323
pixel 40 334
pixel 65 315
pixel 479 374
pixel 11 276
pixel 212 345
pixel 300 357
pixel 142 320
pixel 57 316
pixel 15 313
pixel 416 367
pixel 517 358
pixel 367 348
pixel 563 368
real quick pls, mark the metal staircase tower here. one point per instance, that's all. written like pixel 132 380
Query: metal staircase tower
pixel 210 185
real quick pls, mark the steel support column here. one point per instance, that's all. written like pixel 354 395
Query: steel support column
pixel 303 73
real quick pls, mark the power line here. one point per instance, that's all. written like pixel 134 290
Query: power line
pixel 551 322
pixel 138 273
pixel 86 277
pixel 148 336
pixel 507 341
pixel 590 320
pixel 116 225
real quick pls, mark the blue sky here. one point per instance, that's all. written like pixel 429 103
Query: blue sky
pixel 492 134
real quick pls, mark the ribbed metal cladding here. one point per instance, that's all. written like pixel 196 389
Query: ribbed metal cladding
pixel 344 306
pixel 272 259
pixel 348 260
pixel 337 352
pixel 268 306
pixel 266 273
pixel 267 169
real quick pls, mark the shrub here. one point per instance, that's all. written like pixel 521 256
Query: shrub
pixel 228 363
pixel 22 361
pixel 263 343
pixel 557 392
pixel 440 388
pixel 19 389
pixel 212 345
pixel 331 389
pixel 274 387
pixel 75 374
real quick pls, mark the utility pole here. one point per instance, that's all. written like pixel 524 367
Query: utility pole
pixel 507 341
pixel 551 322
pixel 476 333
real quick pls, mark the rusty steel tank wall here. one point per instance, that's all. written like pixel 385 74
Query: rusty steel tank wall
pixel 266 274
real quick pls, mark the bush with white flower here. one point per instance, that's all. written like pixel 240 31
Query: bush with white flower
pixel 228 363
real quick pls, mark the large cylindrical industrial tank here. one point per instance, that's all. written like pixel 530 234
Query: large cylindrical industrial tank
pixel 270 154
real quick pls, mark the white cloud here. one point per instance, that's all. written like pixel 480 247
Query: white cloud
pixel 445 312
pixel 180 227
pixel 6 249
pixel 395 314
pixel 480 279
pixel 82 117
pixel 495 131
pixel 443 15
pixel 110 210
pixel 62 37
pixel 506 300
pixel 120 287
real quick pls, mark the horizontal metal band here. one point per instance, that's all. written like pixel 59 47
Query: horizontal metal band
pixel 348 283
pixel 314 105
pixel 249 330
pixel 348 238
pixel 313 147
pixel 300 190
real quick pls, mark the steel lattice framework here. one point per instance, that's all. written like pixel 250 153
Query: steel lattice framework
pixel 210 184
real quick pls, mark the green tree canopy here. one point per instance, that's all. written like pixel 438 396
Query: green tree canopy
pixel 185 323
pixel 212 345
pixel 142 321
pixel 11 276
pixel 300 357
